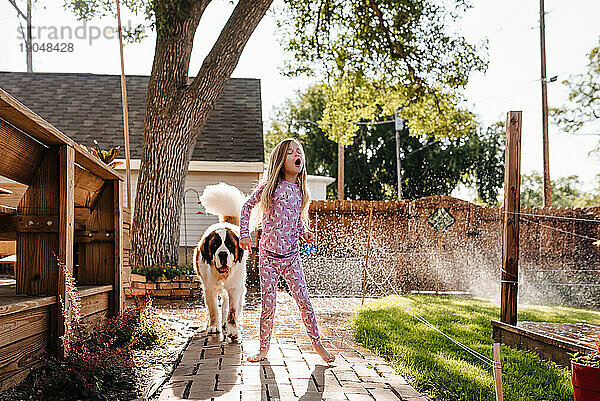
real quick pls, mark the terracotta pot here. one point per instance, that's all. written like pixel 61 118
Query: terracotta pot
pixel 586 382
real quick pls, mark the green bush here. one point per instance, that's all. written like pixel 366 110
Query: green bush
pixel 167 271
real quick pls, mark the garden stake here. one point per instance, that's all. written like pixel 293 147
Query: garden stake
pixel 498 372
pixel 362 301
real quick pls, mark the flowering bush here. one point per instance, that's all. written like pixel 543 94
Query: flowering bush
pixel 92 359
pixel 167 271
pixel 592 359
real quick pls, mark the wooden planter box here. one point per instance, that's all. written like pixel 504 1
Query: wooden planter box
pixel 180 287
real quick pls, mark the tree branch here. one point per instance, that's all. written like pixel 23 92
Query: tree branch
pixel 224 55
pixel 174 43
pixel 14 4
pixel 396 49
pixel 393 47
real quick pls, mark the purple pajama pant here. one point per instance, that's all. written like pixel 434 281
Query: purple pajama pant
pixel 290 267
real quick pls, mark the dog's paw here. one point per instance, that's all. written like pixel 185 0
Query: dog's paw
pixel 232 333
pixel 213 329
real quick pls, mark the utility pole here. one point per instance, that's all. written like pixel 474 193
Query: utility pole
pixel 340 178
pixel 29 43
pixel 547 183
pixel 27 33
pixel 399 125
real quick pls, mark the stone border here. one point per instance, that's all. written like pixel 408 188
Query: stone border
pixel 184 286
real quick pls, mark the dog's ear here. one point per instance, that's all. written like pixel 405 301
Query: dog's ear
pixel 204 248
pixel 240 251
pixel 235 240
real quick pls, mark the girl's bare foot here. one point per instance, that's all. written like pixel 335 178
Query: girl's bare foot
pixel 327 356
pixel 258 357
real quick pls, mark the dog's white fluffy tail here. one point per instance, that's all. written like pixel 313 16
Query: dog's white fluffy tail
pixel 223 200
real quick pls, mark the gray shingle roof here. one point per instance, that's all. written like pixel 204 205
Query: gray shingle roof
pixel 88 106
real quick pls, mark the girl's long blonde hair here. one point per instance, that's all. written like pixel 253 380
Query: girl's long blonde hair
pixel 275 174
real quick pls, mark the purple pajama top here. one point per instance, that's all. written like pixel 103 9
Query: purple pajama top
pixel 282 226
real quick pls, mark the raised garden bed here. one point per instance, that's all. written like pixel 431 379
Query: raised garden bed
pixel 180 287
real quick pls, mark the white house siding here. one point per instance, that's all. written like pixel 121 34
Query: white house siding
pixel 193 223
pixel 318 186
pixel 197 180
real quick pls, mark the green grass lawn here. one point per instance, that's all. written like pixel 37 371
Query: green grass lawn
pixel 440 369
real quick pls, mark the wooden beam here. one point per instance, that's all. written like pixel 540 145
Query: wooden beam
pixel 36 270
pixel 94 165
pixel 91 236
pixel 21 155
pixel 7 210
pixel 510 232
pixel 29 224
pixel 13 199
pixel 12 111
pixel 8 247
pixel 118 303
pixel 65 237
pixel 98 266
pixel 87 188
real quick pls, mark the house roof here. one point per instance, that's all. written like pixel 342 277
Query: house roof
pixel 88 106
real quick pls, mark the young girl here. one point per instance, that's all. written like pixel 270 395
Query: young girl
pixel 284 200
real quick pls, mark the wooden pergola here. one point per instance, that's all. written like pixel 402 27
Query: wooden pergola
pixel 71 205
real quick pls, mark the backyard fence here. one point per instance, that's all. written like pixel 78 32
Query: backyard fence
pixel 444 244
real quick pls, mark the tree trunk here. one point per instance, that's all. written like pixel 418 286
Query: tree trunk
pixel 176 112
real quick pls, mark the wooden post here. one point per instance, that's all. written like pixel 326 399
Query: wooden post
pixel 498 373
pixel 125 114
pixel 510 232
pixel 340 171
pixel 364 285
pixel 547 183
pixel 66 232
pixel 118 301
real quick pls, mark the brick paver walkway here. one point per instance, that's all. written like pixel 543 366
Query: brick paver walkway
pixel 214 370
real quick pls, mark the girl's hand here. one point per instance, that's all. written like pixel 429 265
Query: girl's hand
pixel 246 244
pixel 308 237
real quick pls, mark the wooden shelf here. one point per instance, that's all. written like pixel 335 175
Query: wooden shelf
pixel 7 210
pixel 89 290
pixel 10 302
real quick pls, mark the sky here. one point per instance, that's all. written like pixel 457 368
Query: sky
pixel 511 82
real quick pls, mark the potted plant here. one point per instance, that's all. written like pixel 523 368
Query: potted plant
pixel 585 375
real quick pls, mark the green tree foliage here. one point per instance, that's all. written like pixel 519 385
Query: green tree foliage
pixel 584 97
pixel 395 53
pixel 565 192
pixel 431 166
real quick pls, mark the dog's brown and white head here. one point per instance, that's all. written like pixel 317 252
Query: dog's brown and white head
pixel 220 248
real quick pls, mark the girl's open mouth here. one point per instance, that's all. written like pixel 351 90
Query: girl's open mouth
pixel 298 162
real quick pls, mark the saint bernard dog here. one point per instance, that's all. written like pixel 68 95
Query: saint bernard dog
pixel 219 260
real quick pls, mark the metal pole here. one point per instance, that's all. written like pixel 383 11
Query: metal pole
pixel 399 125
pixel 364 284
pixel 340 171
pixel 125 114
pixel 547 183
